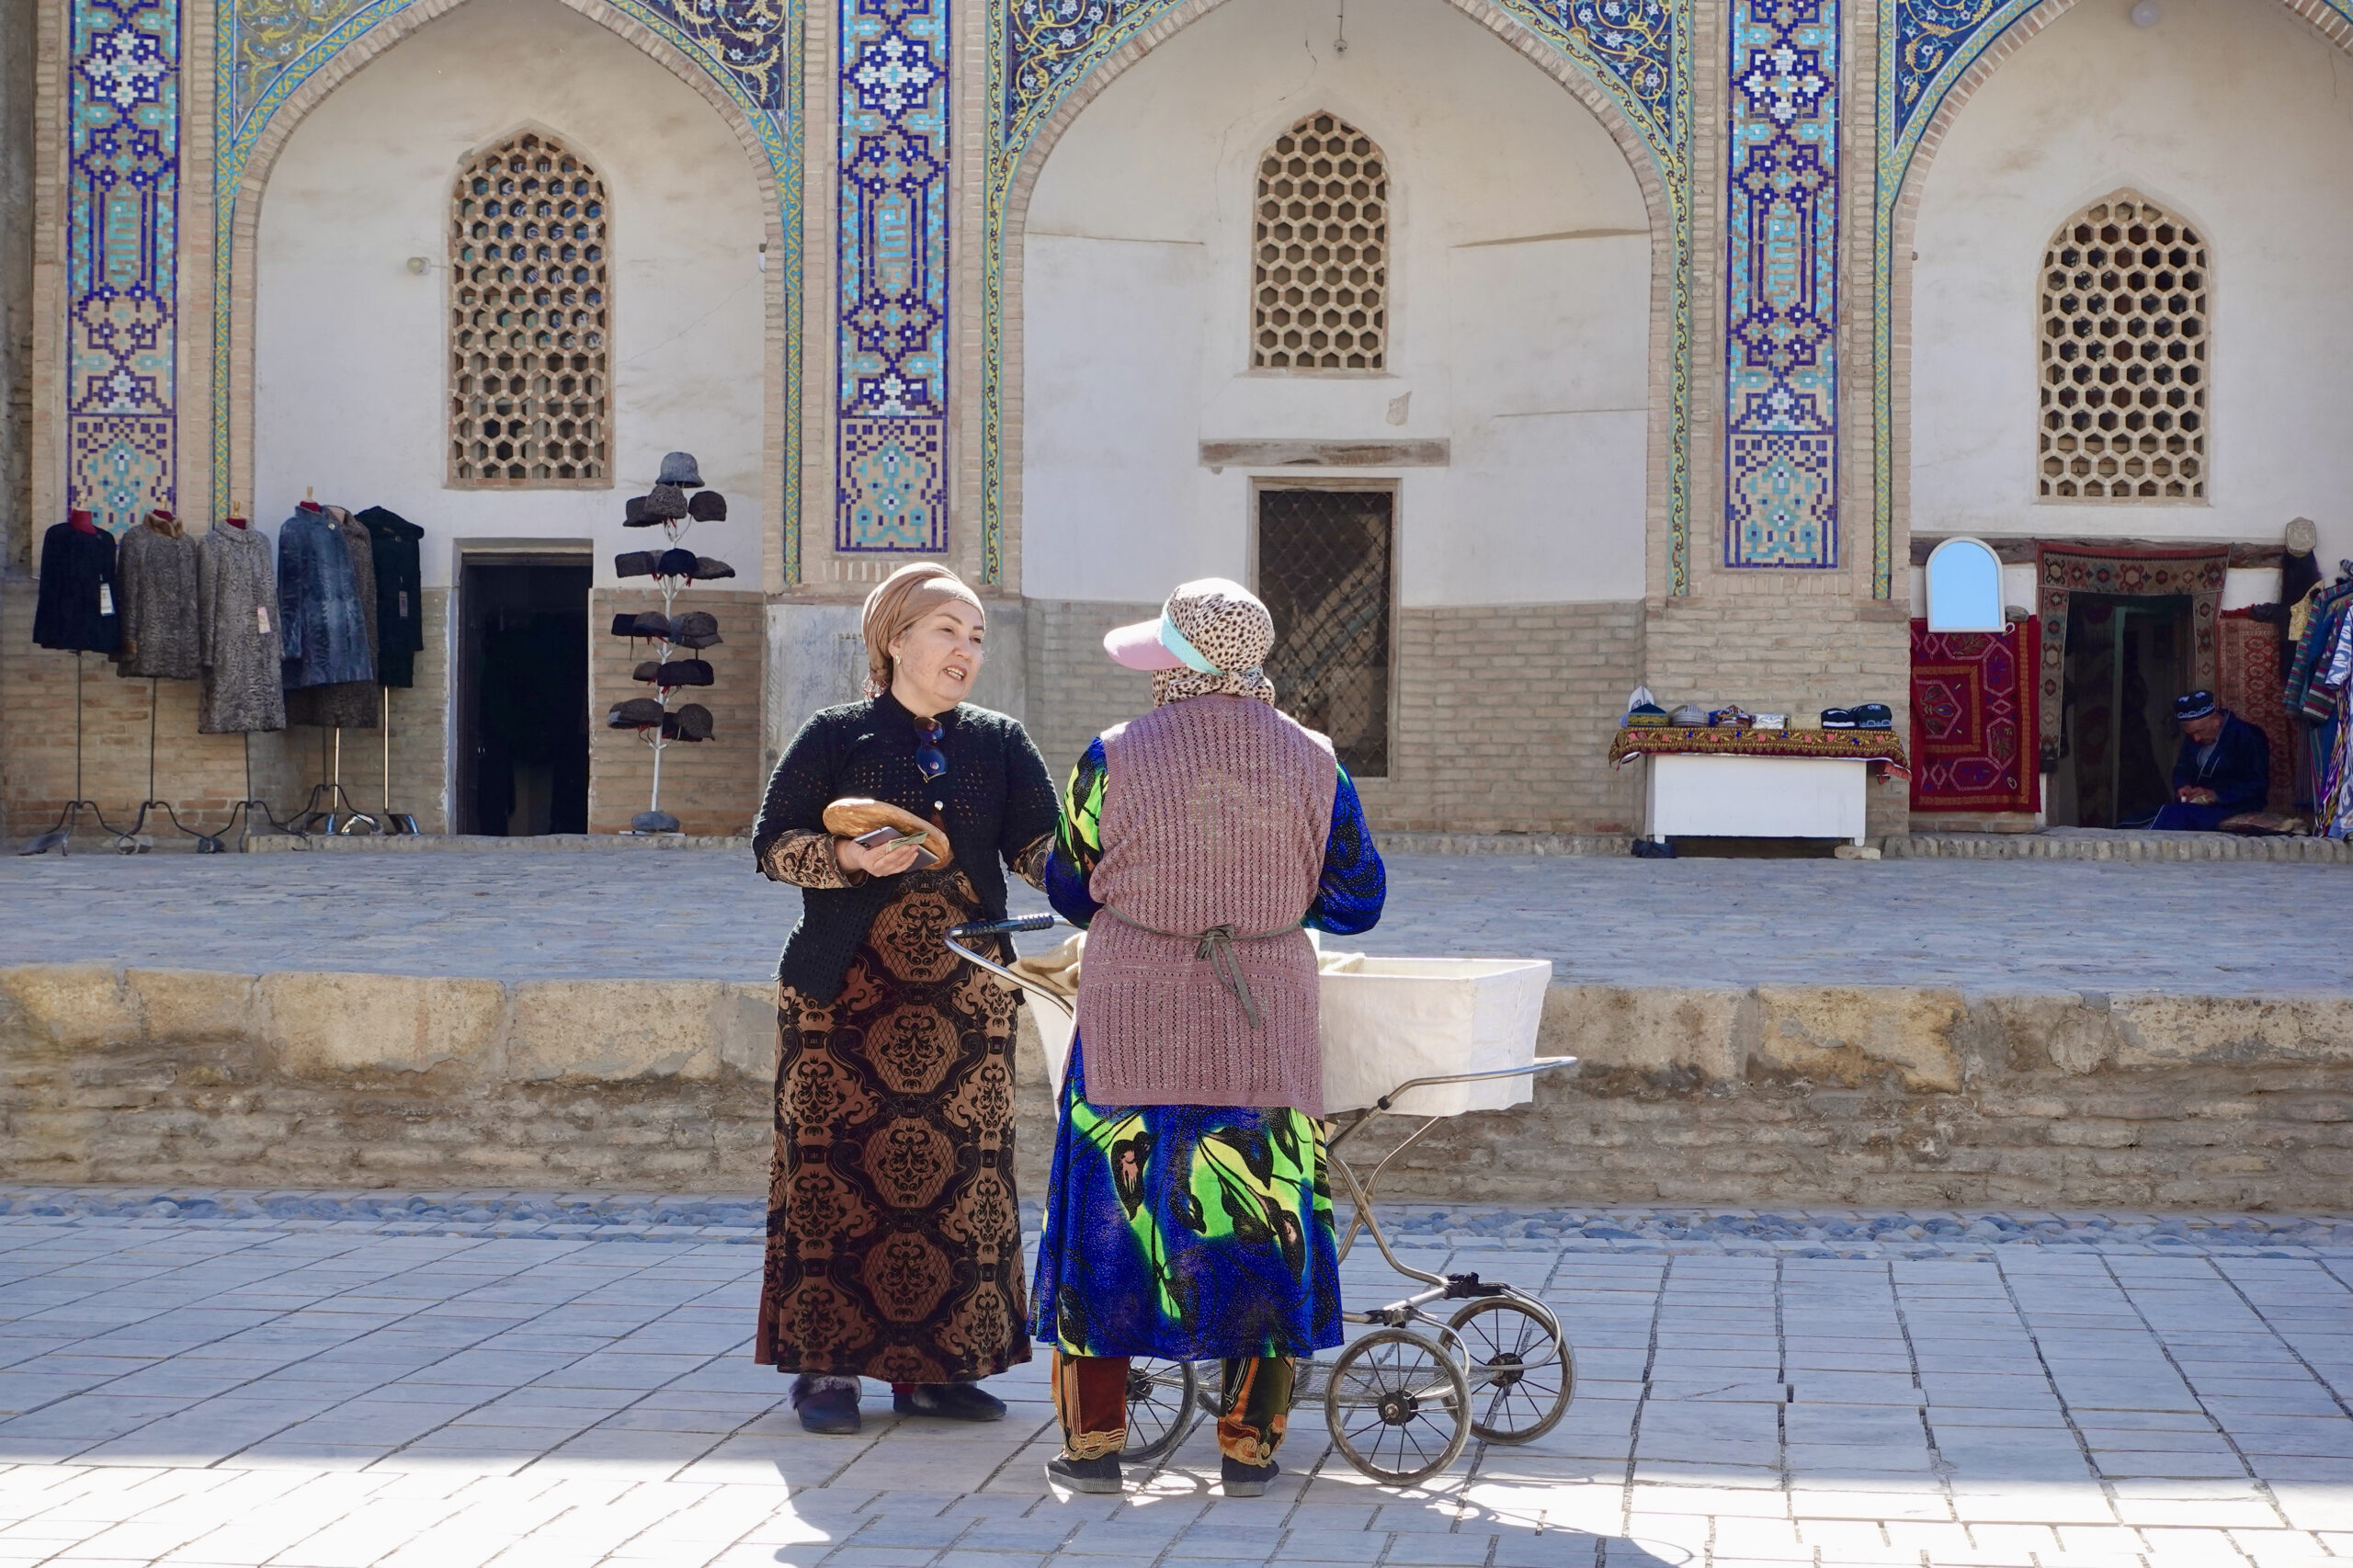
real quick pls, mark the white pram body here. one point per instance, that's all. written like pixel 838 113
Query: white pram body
pixel 1386 1022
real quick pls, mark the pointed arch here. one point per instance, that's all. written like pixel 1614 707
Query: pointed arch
pixel 1930 65
pixel 1638 94
pixel 249 137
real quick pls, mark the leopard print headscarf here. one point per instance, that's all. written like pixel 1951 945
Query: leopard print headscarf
pixel 1228 629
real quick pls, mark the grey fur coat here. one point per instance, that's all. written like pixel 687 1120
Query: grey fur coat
pixel 237 612
pixel 154 586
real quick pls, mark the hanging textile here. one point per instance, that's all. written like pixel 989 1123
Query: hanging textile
pixel 2248 683
pixel 2062 573
pixel 1972 719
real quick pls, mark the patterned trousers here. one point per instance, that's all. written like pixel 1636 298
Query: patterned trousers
pixel 1091 1398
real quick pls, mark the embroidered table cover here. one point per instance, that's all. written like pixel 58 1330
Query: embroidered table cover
pixel 1879 747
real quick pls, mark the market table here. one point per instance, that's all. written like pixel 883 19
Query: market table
pixel 1724 783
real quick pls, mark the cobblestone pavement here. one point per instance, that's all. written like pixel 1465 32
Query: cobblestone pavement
pixel 2224 928
pixel 246 1392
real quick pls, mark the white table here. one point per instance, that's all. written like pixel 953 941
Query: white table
pixel 1755 797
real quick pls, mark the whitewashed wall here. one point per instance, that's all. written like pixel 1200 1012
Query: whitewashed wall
pixel 1519 308
pixel 350 368
pixel 2232 114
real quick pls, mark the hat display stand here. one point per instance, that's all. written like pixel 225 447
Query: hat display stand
pixel 60 836
pixel 680 475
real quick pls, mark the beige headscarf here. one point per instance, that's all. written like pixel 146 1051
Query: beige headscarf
pixel 901 600
pixel 1228 626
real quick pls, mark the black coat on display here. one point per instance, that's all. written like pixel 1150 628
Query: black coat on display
pixel 76 609
pixel 400 595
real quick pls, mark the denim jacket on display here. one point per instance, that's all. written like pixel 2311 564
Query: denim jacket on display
pixel 324 626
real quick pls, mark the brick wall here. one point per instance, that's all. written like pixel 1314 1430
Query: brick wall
pixel 712 787
pixel 1502 712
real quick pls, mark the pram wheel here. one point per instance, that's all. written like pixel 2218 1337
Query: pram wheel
pixel 1522 1373
pixel 1398 1406
pixel 1161 1405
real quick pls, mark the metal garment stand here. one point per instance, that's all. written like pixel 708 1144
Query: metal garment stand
pixel 332 790
pixel 246 808
pixel 205 843
pixel 60 836
pixel 394 822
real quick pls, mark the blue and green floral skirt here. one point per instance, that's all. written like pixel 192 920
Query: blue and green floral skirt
pixel 1190 1232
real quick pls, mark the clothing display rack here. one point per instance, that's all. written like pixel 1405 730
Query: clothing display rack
pixel 60 836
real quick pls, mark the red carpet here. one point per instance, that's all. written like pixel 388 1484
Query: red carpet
pixel 1973 720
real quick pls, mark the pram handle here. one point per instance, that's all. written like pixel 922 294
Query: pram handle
pixel 1539 1064
pixel 956 937
pixel 1004 928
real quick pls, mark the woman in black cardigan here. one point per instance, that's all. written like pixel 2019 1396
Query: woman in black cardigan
pixel 895 1238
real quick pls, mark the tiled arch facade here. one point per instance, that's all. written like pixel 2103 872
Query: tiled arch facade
pixel 215 89
pixel 1933 55
pixel 1630 61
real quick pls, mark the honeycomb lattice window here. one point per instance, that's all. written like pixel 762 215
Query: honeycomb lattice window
pixel 1320 273
pixel 2125 357
pixel 529 315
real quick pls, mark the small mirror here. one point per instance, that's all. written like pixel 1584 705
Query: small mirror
pixel 1964 587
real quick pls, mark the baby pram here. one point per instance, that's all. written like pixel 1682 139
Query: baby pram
pixel 1427 1038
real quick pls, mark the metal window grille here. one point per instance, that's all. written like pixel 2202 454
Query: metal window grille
pixel 2125 357
pixel 1324 569
pixel 529 394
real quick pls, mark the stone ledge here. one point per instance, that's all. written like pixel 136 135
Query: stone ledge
pixel 486 844
pixel 1894 1095
pixel 2099 844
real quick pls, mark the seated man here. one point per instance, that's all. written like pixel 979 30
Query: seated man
pixel 2224 767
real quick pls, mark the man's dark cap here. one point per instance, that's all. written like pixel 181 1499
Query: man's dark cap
pixel 676 563
pixel 706 507
pixel 637 713
pixel 2192 705
pixel 685 672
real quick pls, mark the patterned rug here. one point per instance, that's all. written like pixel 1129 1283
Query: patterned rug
pixel 2062 573
pixel 2248 683
pixel 1973 720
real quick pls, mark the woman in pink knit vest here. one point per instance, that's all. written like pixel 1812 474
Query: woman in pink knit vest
pixel 1187 1215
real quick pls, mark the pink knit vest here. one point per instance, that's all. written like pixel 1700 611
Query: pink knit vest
pixel 1216 812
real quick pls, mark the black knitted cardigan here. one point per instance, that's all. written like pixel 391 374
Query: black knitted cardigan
pixel 996 800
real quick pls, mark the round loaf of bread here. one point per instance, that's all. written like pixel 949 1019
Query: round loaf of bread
pixel 854 815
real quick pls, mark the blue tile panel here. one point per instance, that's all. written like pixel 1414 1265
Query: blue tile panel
pixel 892 276
pixel 122 241
pixel 1781 286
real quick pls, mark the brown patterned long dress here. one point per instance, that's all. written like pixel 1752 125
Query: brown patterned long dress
pixel 895 1235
